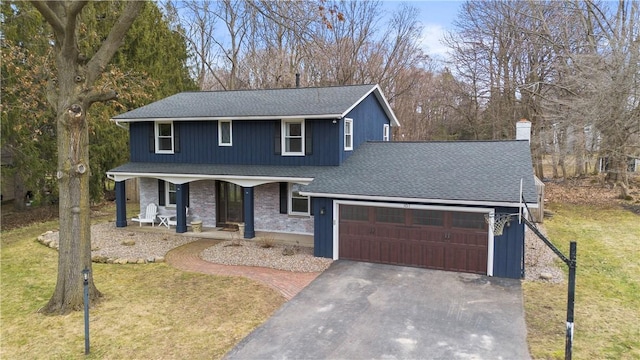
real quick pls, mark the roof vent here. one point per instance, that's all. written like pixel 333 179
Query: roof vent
pixel 523 130
pixel 297 80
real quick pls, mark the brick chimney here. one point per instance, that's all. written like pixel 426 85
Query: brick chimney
pixel 523 130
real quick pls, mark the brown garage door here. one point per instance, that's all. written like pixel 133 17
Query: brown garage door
pixel 446 240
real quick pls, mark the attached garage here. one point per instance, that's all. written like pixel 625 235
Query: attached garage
pixel 424 205
pixel 422 237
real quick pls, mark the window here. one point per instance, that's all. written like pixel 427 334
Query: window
pixel 298 204
pixel 354 213
pixel 164 137
pixel 385 133
pixel 348 134
pixel 224 133
pixel 170 194
pixel 390 215
pixel 293 137
pixel 428 217
pixel 468 220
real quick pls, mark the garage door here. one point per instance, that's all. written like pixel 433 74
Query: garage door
pixel 445 240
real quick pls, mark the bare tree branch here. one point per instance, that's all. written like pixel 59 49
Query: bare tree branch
pixel 50 16
pixel 99 96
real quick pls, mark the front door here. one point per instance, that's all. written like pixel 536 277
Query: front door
pixel 229 203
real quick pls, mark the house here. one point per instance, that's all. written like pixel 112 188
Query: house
pixel 319 161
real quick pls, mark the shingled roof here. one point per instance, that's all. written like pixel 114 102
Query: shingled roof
pixel 476 172
pixel 315 102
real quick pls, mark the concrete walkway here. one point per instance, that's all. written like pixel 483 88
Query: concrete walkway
pixel 187 258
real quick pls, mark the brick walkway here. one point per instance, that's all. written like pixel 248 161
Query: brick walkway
pixel 187 258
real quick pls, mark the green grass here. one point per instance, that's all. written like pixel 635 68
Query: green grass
pixel 149 311
pixel 607 304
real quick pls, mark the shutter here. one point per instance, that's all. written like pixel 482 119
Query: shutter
pixel 308 138
pixel 284 197
pixel 176 137
pixel 161 200
pixel 311 202
pixel 277 138
pixel 152 137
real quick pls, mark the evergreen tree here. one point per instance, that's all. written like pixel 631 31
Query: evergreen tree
pixel 28 124
pixel 151 64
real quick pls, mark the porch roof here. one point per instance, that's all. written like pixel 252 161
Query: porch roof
pixel 243 175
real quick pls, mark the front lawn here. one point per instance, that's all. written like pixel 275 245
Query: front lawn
pixel 607 305
pixel 149 311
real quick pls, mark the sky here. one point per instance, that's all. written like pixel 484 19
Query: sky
pixel 435 17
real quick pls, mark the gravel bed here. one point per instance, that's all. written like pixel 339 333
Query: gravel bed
pixel 541 263
pixel 250 253
pixel 110 244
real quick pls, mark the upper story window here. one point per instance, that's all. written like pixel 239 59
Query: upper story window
pixel 386 134
pixel 224 133
pixel 293 137
pixel 164 137
pixel 298 204
pixel 348 134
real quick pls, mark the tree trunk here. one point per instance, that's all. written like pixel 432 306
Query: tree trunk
pixel 73 181
pixel 72 94
pixel 19 192
pixel 579 150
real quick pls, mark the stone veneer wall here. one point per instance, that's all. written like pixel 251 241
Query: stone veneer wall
pixel 267 213
pixel 202 201
pixel 148 192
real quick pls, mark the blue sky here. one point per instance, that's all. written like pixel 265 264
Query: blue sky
pixel 436 17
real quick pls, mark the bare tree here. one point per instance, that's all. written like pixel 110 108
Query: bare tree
pixel 71 93
pixel 196 21
pixel 595 75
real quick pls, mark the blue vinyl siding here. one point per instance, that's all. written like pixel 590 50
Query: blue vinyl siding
pixel 253 140
pixel 508 255
pixel 368 120
pixel 253 144
pixel 323 228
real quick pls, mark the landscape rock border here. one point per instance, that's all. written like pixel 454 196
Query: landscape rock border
pixel 50 239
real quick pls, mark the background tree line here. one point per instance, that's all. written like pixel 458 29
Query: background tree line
pixel 570 67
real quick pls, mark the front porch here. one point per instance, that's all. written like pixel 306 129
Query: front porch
pixel 218 233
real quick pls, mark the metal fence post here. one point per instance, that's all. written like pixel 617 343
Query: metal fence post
pixel 85 275
pixel 568 349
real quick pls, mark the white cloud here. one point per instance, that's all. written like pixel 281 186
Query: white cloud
pixel 430 41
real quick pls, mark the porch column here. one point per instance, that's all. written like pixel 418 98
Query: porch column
pixel 182 191
pixel 249 232
pixel 121 204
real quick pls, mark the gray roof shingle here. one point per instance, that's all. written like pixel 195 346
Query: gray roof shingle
pixel 475 171
pixel 254 103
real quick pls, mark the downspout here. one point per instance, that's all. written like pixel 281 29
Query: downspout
pixel 119 125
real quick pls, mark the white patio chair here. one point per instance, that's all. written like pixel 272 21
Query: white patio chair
pixel 173 221
pixel 148 217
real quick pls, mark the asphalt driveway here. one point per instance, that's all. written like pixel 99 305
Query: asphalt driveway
pixel 360 310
